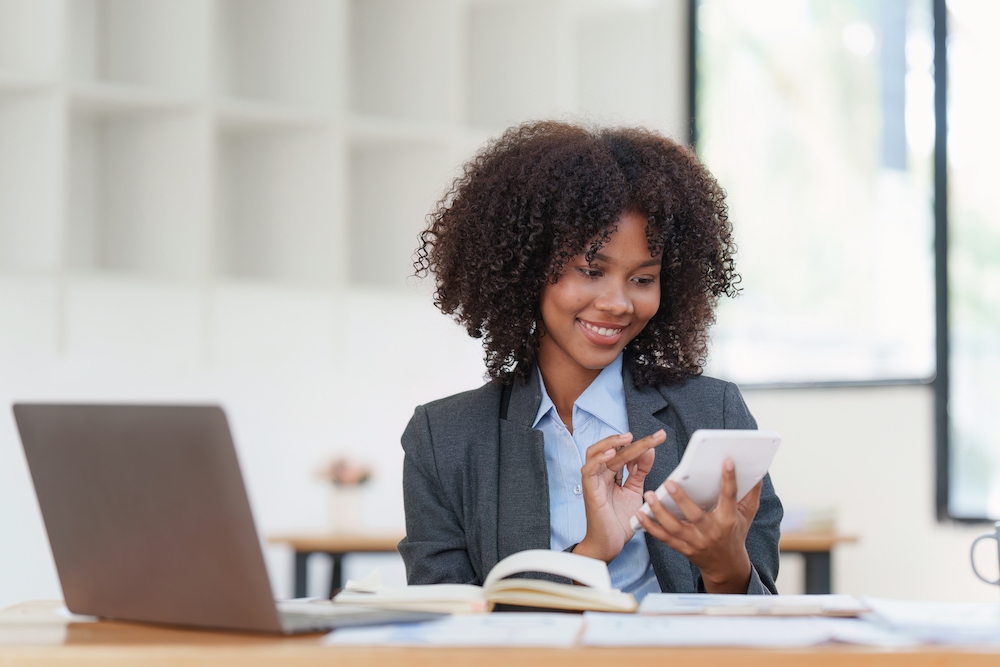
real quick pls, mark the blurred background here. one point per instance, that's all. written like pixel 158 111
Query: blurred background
pixel 218 201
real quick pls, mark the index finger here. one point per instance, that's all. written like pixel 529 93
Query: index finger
pixel 632 452
pixel 611 442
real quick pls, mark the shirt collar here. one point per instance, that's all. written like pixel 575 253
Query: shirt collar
pixel 604 398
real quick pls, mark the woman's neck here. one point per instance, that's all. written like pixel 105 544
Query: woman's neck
pixel 564 383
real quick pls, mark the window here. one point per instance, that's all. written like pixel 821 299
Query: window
pixel 973 465
pixel 817 117
pixel 858 175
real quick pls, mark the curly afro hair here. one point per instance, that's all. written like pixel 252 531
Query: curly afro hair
pixel 545 192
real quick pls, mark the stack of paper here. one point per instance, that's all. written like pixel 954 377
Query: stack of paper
pixel 609 629
pixel 940 622
pixel 676 620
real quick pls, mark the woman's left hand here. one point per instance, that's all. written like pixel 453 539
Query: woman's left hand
pixel 714 541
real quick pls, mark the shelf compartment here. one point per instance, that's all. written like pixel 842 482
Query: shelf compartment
pixel 139 192
pixel 32 135
pixel 626 70
pixel 516 58
pixel 405 59
pixel 278 213
pixel 282 50
pixel 30 44
pixel 393 188
pixel 154 43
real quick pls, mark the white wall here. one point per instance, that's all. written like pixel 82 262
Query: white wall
pixel 302 376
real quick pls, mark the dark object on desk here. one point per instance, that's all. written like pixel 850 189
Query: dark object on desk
pixel 149 521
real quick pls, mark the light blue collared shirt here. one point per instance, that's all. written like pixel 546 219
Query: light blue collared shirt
pixel 599 412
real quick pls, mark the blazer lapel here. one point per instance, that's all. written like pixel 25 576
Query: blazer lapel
pixel 523 491
pixel 643 406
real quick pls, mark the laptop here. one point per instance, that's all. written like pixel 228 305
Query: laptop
pixel 148 520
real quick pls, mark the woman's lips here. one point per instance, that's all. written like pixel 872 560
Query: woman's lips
pixel 601 333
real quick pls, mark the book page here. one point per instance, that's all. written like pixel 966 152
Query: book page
pixel 587 571
pixel 548 594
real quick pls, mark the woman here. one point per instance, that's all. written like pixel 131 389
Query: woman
pixel 590 264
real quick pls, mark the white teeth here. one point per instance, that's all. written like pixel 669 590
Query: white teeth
pixel 603 331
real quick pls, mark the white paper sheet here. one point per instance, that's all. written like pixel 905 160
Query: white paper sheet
pixel 754 631
pixel 747 605
pixel 972 623
pixel 498 629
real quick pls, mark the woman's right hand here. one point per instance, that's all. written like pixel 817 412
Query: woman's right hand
pixel 610 507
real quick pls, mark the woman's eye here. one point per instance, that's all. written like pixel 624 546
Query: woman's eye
pixel 645 281
pixel 590 273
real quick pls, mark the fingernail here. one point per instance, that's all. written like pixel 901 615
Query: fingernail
pixel 649 495
pixel 672 487
pixel 729 465
pixel 624 436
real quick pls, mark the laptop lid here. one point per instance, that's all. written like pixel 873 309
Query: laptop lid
pixel 147 515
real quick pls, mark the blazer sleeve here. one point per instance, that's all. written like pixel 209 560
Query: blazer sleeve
pixel 764 533
pixel 434 549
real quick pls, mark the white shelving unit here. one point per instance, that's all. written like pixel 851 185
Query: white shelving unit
pixel 294 142
pixel 218 201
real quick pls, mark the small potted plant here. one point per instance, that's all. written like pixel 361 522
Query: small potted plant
pixel 345 478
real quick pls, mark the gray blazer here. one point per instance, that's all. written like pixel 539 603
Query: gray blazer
pixel 475 486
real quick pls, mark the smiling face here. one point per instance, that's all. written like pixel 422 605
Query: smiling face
pixel 594 310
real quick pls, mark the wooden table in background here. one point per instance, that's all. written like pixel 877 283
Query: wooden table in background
pixel 815 547
pixel 336 546
pixel 31 634
pixel 817 550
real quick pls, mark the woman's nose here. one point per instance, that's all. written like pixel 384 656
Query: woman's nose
pixel 614 300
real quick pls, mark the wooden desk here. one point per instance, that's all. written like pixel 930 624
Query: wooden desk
pixel 815 547
pixel 32 635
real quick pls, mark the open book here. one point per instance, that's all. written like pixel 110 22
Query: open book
pixel 594 593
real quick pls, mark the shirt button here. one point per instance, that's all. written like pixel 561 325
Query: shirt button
pixel 577 490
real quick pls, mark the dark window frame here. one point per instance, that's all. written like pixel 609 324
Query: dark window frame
pixel 941 378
